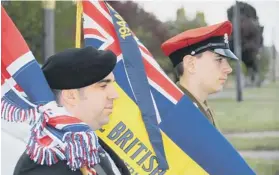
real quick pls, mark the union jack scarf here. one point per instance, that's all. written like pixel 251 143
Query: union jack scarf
pixel 26 96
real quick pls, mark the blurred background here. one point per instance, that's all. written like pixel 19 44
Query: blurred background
pixel 247 111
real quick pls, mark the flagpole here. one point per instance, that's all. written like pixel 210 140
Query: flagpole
pixel 49 28
pixel 237 51
pixel 78 24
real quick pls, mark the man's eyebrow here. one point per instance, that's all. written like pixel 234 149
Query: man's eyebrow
pixel 106 81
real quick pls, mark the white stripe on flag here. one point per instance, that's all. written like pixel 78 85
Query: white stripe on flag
pixel 89 23
pixel 162 91
pixel 156 66
pixel 99 7
pixel 7 86
pixel 20 62
pixel 119 58
pixel 156 109
pixel 91 36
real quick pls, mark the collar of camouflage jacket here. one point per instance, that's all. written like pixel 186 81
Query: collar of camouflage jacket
pixel 202 106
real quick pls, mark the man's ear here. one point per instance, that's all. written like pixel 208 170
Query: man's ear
pixel 189 63
pixel 70 97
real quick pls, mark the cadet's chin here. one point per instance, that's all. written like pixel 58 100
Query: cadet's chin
pixel 221 87
pixel 217 89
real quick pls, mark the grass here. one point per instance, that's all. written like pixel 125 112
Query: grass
pixel 266 143
pixel 258 112
pixel 264 167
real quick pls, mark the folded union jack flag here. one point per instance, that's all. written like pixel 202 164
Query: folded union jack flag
pixel 26 96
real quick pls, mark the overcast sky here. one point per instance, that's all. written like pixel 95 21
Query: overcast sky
pixel 216 11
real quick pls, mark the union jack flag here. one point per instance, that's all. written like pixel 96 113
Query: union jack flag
pixel 176 115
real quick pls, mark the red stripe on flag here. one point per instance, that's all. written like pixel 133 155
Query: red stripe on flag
pixel 11 50
pixel 162 81
pixel 5 76
pixel 90 31
pixel 145 51
pixel 17 87
pixel 4 73
pixel 98 17
pixel 115 48
pixel 104 6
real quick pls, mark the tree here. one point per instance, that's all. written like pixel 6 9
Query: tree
pixel 65 25
pixel 182 23
pixel 151 31
pixel 28 18
pixel 251 37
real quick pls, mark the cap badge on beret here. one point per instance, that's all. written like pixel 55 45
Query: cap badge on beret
pixel 226 38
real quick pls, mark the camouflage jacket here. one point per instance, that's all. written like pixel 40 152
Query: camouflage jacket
pixel 204 108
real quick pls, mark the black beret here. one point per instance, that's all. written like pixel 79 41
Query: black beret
pixel 78 67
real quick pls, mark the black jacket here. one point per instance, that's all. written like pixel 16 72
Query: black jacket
pixel 26 166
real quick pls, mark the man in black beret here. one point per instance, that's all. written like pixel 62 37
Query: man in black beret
pixel 82 81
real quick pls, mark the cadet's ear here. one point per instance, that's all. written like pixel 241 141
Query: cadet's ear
pixel 189 63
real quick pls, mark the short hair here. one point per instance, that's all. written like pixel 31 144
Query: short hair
pixel 179 69
pixel 57 93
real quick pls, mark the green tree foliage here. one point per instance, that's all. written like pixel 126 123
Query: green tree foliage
pixel 65 25
pixel 28 18
pixel 251 36
pixel 183 23
pixel 151 31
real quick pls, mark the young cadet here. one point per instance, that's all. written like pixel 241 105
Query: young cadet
pixel 199 57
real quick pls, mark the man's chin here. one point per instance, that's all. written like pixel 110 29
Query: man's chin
pixel 105 120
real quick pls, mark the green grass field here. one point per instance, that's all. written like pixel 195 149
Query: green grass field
pixel 264 167
pixel 258 112
pixel 266 143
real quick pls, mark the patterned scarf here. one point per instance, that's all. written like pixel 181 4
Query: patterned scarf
pixel 26 96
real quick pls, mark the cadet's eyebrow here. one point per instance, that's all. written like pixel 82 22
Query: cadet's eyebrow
pixel 220 56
